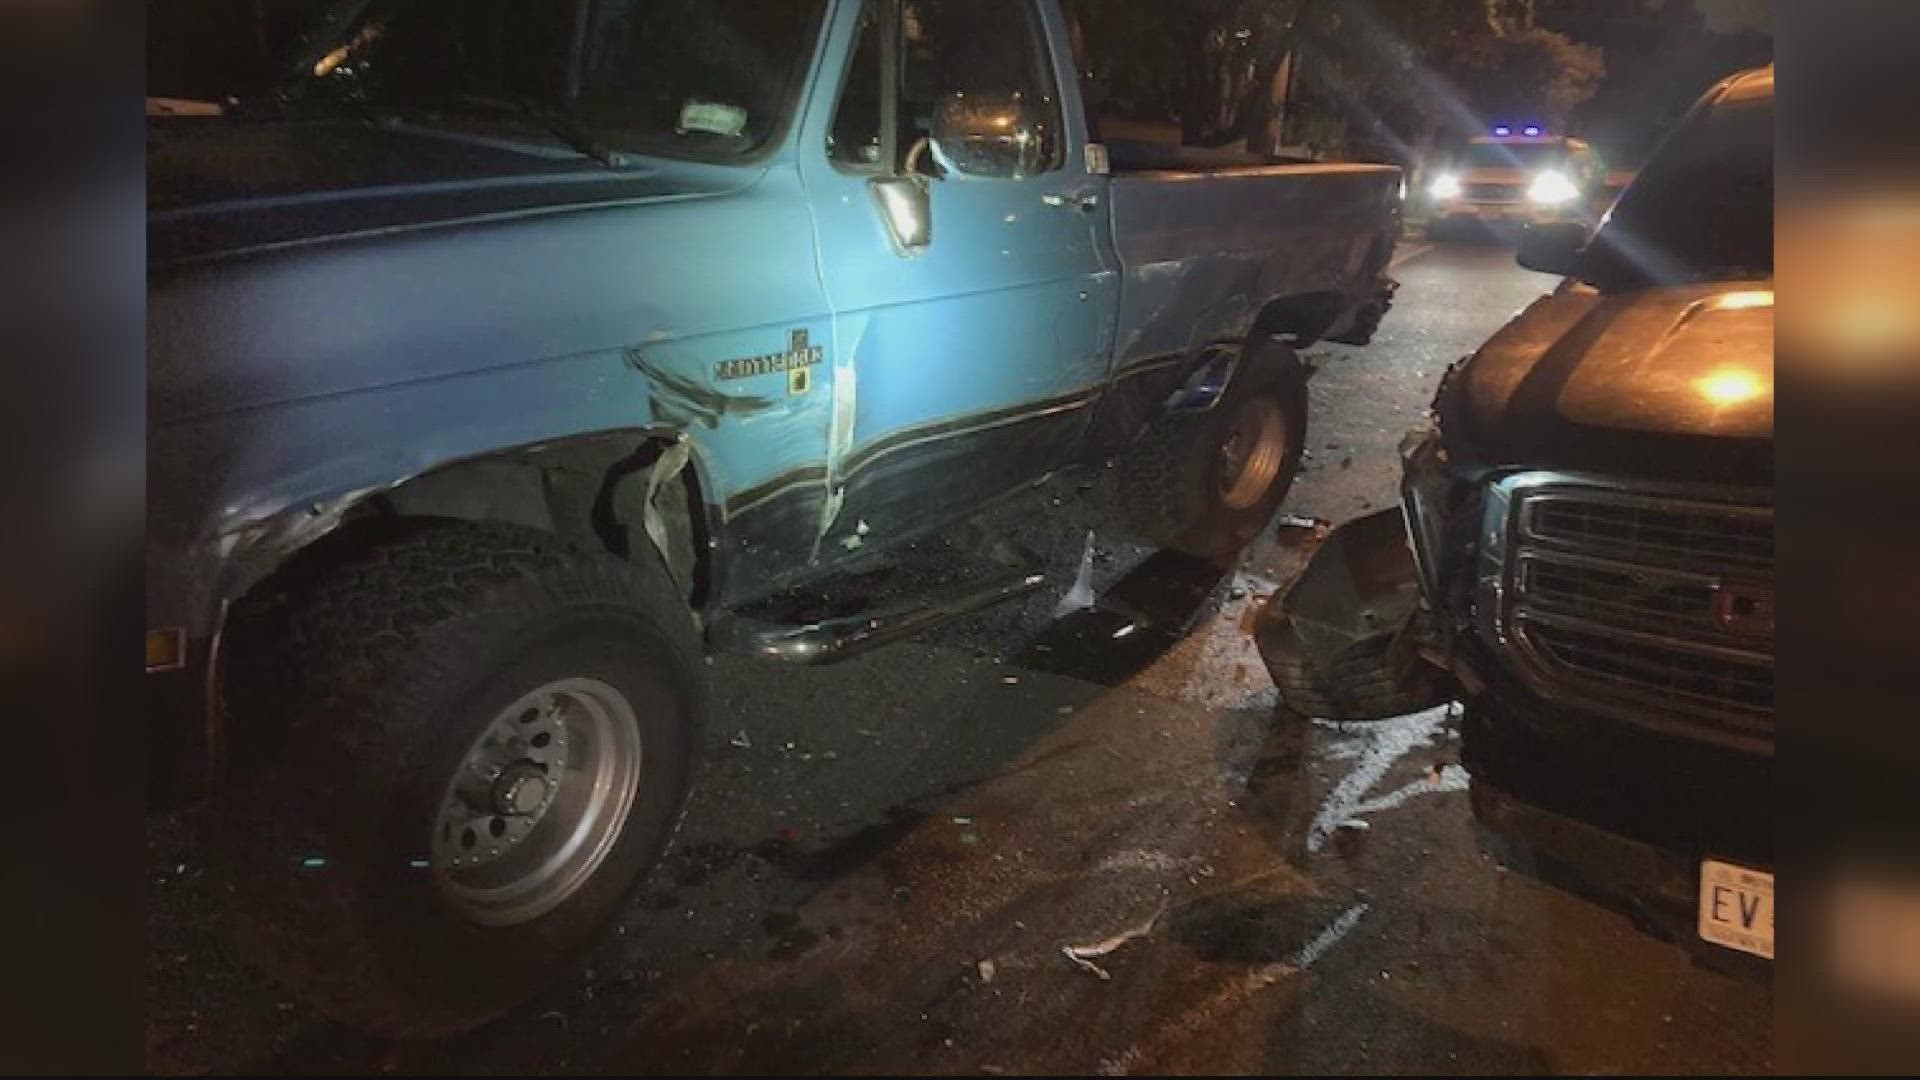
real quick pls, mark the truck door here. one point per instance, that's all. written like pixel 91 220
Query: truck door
pixel 965 366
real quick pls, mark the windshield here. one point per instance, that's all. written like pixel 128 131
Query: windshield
pixel 1701 209
pixel 1524 156
pixel 712 79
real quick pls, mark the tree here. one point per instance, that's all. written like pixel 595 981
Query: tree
pixel 1414 71
pixel 1400 71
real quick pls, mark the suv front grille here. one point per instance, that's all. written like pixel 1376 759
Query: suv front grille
pixel 1492 192
pixel 1707 538
pixel 1624 599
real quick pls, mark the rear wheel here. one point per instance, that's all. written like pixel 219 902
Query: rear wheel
pixel 1208 483
pixel 487 741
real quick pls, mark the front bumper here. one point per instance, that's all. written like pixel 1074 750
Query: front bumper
pixel 1616 814
pixel 1656 887
pixel 1522 212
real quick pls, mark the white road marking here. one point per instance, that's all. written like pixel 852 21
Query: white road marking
pixel 1326 939
pixel 1451 778
pixel 1382 744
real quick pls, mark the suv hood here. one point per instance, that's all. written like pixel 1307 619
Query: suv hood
pixel 1668 383
pixel 219 186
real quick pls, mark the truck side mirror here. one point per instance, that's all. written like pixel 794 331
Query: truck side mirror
pixel 987 135
pixel 1553 247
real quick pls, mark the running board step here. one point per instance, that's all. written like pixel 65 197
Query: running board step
pixel 831 640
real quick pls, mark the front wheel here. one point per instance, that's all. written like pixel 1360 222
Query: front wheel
pixel 486 741
pixel 1208 483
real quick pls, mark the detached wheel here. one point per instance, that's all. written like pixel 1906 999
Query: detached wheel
pixel 487 741
pixel 1209 483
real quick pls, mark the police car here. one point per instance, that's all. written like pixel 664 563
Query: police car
pixel 1519 174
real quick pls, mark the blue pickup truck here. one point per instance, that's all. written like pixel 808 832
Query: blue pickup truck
pixel 502 355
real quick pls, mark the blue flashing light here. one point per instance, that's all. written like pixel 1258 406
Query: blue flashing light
pixel 1502 129
pixel 1532 129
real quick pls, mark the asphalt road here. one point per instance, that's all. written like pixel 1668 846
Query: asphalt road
pixel 884 860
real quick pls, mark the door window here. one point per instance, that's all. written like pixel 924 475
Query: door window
pixel 981 47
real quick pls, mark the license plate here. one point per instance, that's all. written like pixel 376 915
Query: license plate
pixel 1736 907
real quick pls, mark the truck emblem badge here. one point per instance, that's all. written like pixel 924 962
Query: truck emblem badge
pixel 1746 610
pixel 798 362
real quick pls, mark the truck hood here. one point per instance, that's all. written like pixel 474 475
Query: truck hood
pixel 1672 383
pixel 220 186
pixel 296 264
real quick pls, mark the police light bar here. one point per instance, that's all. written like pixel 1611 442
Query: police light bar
pixel 1532 129
pixel 1502 129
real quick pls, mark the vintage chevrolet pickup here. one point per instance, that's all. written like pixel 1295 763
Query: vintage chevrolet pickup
pixel 503 355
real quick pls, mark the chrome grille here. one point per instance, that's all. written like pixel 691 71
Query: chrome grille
pixel 1620 593
pixel 1614 597
pixel 1711 536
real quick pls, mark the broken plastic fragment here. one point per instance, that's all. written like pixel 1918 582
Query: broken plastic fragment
pixel 986 969
pixel 1125 631
pixel 1080 597
pixel 740 741
pixel 1086 965
pixel 1082 955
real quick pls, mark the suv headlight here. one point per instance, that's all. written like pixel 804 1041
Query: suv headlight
pixel 1550 188
pixel 1445 186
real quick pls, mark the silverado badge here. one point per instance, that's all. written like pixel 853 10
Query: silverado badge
pixel 798 362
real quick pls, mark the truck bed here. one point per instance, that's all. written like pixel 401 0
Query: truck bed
pixel 1202 249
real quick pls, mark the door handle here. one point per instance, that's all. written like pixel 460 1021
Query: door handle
pixel 1077 200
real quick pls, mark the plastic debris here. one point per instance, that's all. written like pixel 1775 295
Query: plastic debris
pixel 314 862
pixel 1087 965
pixel 959 820
pixel 1080 597
pixel 1010 680
pixel 1298 521
pixel 986 968
pixel 740 741
pixel 1082 955
pixel 1125 631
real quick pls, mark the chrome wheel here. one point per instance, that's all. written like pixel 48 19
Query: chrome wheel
pixel 1253 453
pixel 538 802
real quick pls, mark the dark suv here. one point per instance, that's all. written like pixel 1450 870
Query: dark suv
pixel 1587 555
